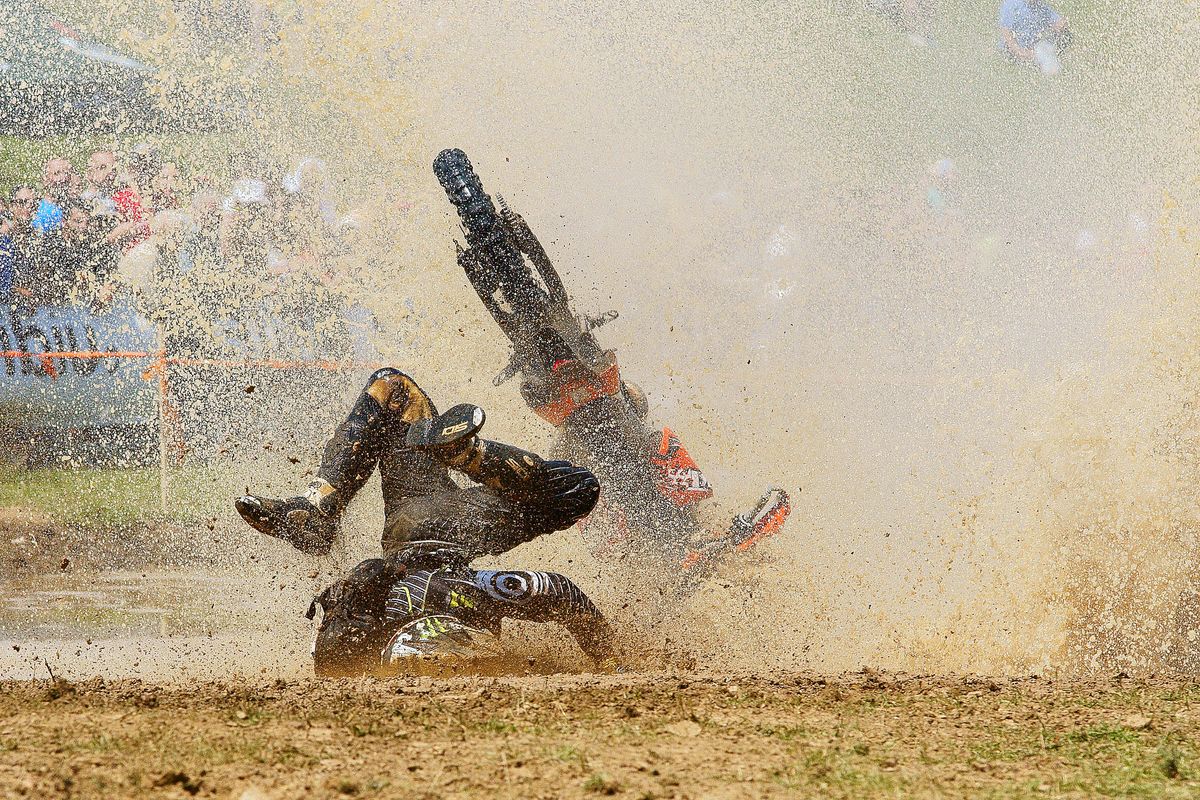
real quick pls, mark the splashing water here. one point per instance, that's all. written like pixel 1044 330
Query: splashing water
pixel 953 300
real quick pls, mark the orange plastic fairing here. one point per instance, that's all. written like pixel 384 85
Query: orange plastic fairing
pixel 679 478
pixel 577 393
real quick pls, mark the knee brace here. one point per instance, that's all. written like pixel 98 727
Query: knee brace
pixel 398 393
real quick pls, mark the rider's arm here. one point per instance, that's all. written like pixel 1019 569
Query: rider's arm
pixel 550 597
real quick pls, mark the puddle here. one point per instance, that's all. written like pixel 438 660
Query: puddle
pixel 120 605
pixel 154 625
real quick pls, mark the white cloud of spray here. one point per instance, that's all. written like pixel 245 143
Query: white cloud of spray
pixel 963 367
pixel 816 298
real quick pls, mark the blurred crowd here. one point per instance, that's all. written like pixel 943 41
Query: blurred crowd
pixel 259 258
pixel 1031 32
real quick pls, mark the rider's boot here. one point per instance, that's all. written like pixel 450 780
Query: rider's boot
pixel 765 519
pixel 564 490
pixel 309 522
pixel 453 439
pixel 746 530
pixel 305 521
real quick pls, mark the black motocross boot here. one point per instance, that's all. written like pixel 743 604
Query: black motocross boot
pixel 561 491
pixel 453 439
pixel 309 522
pixel 305 521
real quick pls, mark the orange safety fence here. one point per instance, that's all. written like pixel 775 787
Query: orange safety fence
pixel 161 358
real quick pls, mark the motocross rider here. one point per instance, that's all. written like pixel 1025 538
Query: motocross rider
pixel 422 593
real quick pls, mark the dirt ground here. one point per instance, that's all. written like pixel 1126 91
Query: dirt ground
pixel 639 736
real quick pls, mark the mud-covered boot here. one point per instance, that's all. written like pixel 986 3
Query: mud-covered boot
pixel 559 493
pixel 746 530
pixel 307 522
pixel 453 439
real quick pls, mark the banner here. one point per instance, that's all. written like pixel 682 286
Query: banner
pixel 98 380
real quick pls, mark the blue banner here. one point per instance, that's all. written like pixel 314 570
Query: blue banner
pixel 76 392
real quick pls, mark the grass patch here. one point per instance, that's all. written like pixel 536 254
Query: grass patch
pixel 1170 761
pixel 247 716
pixel 570 755
pixel 497 726
pixel 103 497
pixel 599 783
pixel 784 733
pixel 1007 750
pixel 1103 733
pixel 821 769
pixel 102 743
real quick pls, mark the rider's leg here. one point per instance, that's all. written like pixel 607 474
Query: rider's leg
pixel 484 521
pixel 523 496
pixel 453 439
pixel 390 401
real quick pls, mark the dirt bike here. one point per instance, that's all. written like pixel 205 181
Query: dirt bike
pixel 651 485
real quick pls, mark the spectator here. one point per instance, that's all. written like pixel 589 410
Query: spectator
pixel 22 206
pixel 25 243
pixel 133 210
pixel 100 224
pixel 93 258
pixel 270 254
pixel 101 182
pixel 59 181
pixel 67 256
pixel 8 267
pixel 165 188
pixel 1033 33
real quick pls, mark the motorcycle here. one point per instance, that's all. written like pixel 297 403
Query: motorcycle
pixel 651 484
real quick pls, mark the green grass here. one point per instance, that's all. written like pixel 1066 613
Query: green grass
pixel 498 727
pixel 599 783
pixel 1103 733
pixel 845 772
pixel 784 733
pixel 102 497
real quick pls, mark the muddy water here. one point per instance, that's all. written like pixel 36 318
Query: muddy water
pixel 155 625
